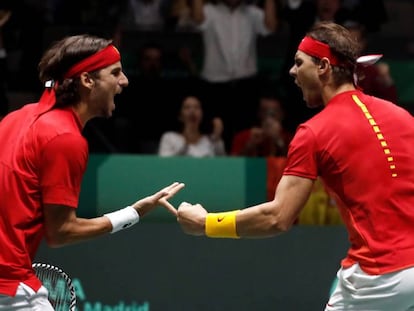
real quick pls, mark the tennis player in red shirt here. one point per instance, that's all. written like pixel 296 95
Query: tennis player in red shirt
pixel 43 157
pixel 363 149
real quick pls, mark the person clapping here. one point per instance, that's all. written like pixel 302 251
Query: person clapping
pixel 190 139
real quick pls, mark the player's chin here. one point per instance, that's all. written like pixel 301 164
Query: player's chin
pixel 111 108
pixel 312 99
pixel 108 112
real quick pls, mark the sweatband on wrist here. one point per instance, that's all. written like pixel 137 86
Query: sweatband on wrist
pixel 123 218
pixel 221 225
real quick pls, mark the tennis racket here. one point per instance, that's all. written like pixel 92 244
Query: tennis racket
pixel 62 293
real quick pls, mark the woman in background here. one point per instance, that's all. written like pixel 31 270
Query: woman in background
pixel 190 139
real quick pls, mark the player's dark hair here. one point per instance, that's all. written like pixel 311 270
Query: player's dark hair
pixel 342 44
pixel 61 56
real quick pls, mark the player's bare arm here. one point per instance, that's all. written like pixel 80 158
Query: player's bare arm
pixel 63 227
pixel 262 220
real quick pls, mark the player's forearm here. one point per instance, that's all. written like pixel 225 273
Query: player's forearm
pixel 262 220
pixel 78 230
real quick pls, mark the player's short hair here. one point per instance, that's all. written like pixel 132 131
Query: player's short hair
pixel 342 44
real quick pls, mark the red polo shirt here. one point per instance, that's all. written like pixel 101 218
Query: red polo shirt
pixel 42 161
pixel 363 149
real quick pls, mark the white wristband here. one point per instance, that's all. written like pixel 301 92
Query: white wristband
pixel 123 218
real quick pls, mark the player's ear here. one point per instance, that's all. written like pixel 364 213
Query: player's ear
pixel 324 64
pixel 86 80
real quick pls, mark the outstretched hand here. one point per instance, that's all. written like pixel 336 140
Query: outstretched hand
pixel 161 197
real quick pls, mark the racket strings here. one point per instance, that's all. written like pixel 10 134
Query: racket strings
pixel 62 294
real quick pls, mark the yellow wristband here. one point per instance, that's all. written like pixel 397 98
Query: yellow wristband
pixel 221 225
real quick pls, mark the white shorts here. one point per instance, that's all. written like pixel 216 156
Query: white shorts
pixel 357 291
pixel 26 299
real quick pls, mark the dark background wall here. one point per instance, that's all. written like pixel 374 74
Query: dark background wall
pixel 156 267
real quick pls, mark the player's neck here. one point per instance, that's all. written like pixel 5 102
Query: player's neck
pixel 82 113
pixel 329 91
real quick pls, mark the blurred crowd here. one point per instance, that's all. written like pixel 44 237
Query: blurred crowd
pixel 199 85
pixel 209 49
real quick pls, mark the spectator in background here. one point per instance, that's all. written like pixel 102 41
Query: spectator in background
pixel 181 13
pixel 5 14
pixel 101 17
pixel 150 61
pixel 185 56
pixel 146 15
pixel 372 14
pixel 144 113
pixel 374 79
pixel 132 131
pixel 191 138
pixel 154 62
pixel 230 29
pixel 267 137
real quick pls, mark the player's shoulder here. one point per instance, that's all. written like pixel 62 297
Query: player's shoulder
pixel 56 125
pixel 59 121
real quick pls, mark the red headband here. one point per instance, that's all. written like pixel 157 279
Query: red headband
pixel 317 49
pixel 100 59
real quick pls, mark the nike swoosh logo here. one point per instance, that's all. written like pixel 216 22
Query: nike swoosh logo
pixel 220 219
